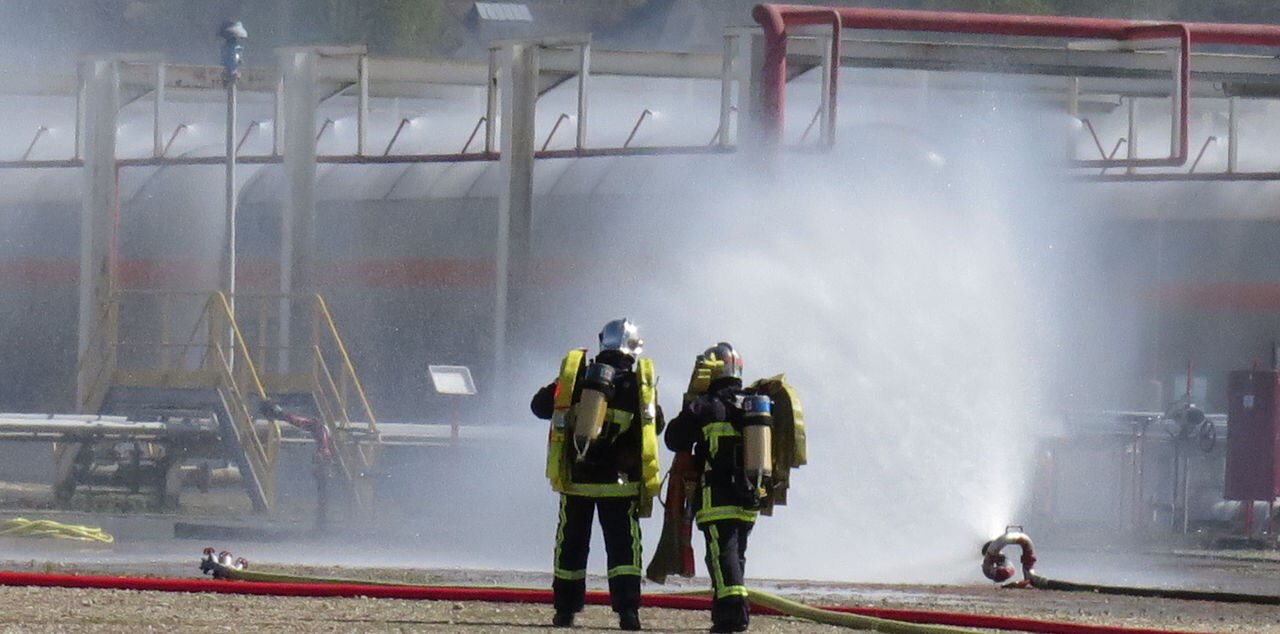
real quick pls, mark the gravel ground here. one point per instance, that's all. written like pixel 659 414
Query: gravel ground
pixel 78 610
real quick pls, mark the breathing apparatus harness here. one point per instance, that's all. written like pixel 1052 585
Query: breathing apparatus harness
pixel 576 425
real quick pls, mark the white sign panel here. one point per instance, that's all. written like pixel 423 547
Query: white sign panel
pixel 452 379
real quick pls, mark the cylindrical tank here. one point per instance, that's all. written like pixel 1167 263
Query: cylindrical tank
pixel 597 389
pixel 757 440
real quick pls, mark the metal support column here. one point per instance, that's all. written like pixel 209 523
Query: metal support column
pixel 229 223
pixel 826 125
pixel 754 132
pixel 82 91
pixel 362 116
pixel 1233 133
pixel 491 101
pixel 584 74
pixel 157 115
pixel 1073 109
pixel 297 130
pixel 728 62
pixel 1132 145
pixel 97 218
pixel 518 80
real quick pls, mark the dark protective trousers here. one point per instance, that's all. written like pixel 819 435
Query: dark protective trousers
pixel 621 529
pixel 726 563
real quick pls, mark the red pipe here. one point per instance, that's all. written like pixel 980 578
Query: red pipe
pixel 511 595
pixel 777 18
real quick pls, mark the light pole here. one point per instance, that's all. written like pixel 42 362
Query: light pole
pixel 232 33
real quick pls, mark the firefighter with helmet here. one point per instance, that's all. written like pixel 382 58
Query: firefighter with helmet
pixel 715 425
pixel 602 457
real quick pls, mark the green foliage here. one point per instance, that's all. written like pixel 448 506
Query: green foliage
pixel 407 27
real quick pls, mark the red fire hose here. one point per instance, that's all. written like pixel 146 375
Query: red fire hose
pixel 513 595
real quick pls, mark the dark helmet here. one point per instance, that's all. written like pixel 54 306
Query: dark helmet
pixel 621 335
pixel 724 351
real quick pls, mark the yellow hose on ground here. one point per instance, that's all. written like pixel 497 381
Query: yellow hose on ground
pixel 785 606
pixel 22 527
pixel 844 619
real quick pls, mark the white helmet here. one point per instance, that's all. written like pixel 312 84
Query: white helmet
pixel 621 335
pixel 724 351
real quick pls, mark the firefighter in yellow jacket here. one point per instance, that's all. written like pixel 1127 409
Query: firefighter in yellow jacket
pixel 602 456
pixel 715 426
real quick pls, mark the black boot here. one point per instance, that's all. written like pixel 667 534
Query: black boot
pixel 563 618
pixel 629 621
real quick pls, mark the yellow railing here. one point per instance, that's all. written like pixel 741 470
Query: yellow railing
pixel 297 343
pixel 133 345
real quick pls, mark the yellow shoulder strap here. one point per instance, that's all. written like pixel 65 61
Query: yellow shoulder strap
pixel 570 367
pixel 649 468
pixel 557 462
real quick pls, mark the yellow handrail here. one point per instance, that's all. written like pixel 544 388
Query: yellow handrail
pixel 238 340
pixel 346 361
pixel 323 372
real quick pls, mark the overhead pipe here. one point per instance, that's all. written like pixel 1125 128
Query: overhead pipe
pixel 390 144
pixel 634 129
pixel 809 128
pixel 352 159
pixel 1120 142
pixel 172 137
pixel 720 130
pixel 561 119
pixel 324 127
pixel 253 125
pixel 40 131
pixel 1207 142
pixel 1088 125
pixel 777 18
pixel 466 146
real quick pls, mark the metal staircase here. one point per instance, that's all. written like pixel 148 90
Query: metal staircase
pixel 308 368
pixel 133 366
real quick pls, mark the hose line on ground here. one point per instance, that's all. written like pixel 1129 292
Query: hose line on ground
pixel 889 620
pixel 772 603
pixel 512 595
pixel 1045 583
